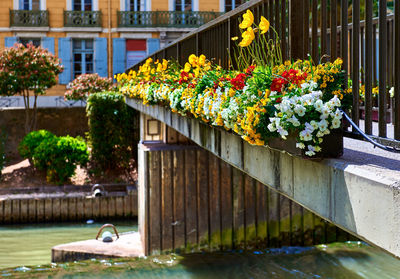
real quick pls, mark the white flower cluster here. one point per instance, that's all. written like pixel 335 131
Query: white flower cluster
pixel 318 119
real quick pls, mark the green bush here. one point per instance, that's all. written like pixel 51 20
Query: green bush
pixel 111 127
pixel 59 157
pixel 32 140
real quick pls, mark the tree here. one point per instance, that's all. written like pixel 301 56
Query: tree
pixel 26 70
pixel 86 84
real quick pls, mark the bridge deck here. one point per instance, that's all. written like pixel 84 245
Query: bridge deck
pixel 359 192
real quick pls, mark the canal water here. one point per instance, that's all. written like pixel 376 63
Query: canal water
pixel 25 253
pixel 31 244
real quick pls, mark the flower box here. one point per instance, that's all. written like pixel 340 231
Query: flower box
pixel 332 146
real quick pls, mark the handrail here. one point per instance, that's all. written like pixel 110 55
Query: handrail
pixel 368 138
pixel 82 18
pixel 28 18
pixel 179 19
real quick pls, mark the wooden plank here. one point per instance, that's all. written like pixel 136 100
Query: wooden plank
pixel 261 213
pixel 24 211
pixel 166 201
pixel 111 207
pixel 40 210
pixel 284 221
pixel 127 206
pixel 155 201
pixel 330 232
pixel 226 206
pixel 190 199
pixel 202 198
pixel 56 209
pixel 319 230
pixel 296 230
pixel 7 212
pixel 103 207
pixel 88 208
pixel 308 227
pixel 80 210
pixel 1 211
pixel 273 218
pixel 72 209
pixel 250 211
pixel 239 239
pixel 48 210
pixel 32 211
pixel 134 205
pixel 15 211
pixel 179 217
pixel 119 203
pixel 96 208
pixel 214 203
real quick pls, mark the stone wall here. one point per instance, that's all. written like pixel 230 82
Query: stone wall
pixel 61 121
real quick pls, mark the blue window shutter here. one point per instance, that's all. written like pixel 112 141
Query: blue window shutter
pixel 21 5
pixel 119 55
pixel 64 53
pixel 100 56
pixel 48 42
pixel 10 41
pixel 153 45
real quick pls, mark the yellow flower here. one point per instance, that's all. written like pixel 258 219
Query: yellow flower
pixel 264 25
pixel 202 60
pixel 187 67
pixel 165 64
pixel 234 38
pixel 248 36
pixel 193 59
pixel 248 20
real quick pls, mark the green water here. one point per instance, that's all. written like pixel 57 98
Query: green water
pixel 29 248
pixel 31 244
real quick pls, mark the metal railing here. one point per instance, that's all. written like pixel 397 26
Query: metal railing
pixel 165 18
pixel 25 18
pixel 319 30
pixel 82 18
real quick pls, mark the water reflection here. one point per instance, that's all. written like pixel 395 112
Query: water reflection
pixel 351 260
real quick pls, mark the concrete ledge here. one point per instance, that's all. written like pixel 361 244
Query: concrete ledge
pixel 128 245
pixel 361 199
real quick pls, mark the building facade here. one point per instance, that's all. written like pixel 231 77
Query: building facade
pixel 102 36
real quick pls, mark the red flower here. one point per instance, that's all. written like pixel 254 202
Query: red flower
pixel 239 81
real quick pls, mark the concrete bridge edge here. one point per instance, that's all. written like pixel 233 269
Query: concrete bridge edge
pixel 363 203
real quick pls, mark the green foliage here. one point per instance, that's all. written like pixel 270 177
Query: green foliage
pixel 59 157
pixel 3 137
pixel 110 130
pixel 32 140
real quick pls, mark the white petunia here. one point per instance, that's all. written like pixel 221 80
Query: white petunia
pixel 318 105
pixel 322 125
pixel 336 123
pixel 300 110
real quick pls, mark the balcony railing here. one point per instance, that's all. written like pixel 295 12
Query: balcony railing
pixel 165 19
pixel 25 18
pixel 82 19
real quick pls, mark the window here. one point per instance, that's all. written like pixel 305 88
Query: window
pixel 135 5
pixel 82 51
pixel 34 41
pixel 82 5
pixel 233 4
pixel 30 5
pixel 183 5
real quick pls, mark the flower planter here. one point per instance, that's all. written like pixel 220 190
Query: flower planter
pixel 332 146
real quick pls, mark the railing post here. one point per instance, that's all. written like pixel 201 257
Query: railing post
pixel 296 31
